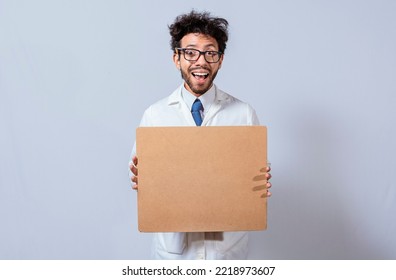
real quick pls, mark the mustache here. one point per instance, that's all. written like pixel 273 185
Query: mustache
pixel 199 68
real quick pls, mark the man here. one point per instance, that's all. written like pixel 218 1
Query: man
pixel 198 42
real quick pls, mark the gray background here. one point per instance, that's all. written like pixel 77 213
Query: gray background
pixel 76 76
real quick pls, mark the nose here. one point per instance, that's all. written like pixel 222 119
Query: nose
pixel 201 60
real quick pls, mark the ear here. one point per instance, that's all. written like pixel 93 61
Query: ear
pixel 176 60
pixel 221 60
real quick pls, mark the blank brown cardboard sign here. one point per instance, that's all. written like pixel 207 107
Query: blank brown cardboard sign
pixel 202 179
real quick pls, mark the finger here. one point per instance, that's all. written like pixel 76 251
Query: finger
pixel 268 185
pixel 135 160
pixel 135 187
pixel 134 170
pixel 265 169
pixel 268 176
pixel 267 194
pixel 134 179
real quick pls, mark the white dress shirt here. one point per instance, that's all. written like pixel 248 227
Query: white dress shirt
pixel 206 99
pixel 220 109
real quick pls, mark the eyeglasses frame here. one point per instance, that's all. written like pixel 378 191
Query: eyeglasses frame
pixel 178 50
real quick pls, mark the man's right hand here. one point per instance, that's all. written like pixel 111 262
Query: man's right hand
pixel 133 167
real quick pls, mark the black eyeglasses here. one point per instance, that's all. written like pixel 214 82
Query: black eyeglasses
pixel 194 55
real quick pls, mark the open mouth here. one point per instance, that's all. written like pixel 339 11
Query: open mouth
pixel 200 76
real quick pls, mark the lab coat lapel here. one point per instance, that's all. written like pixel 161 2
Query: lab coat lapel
pixel 175 99
pixel 220 99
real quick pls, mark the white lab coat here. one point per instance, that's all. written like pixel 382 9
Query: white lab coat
pixel 226 110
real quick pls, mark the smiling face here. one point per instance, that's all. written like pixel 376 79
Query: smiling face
pixel 198 75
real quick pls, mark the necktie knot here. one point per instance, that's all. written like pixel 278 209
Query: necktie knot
pixel 196 111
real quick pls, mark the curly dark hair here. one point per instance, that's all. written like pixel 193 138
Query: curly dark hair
pixel 202 23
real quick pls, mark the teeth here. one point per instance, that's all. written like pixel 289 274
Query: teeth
pixel 201 74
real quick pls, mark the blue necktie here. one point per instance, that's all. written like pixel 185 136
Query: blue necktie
pixel 196 111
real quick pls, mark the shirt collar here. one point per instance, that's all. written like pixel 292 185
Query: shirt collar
pixel 207 98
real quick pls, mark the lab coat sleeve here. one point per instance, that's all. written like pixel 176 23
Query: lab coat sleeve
pixel 145 121
pixel 252 116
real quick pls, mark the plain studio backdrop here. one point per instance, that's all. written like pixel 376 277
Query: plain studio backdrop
pixel 76 76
